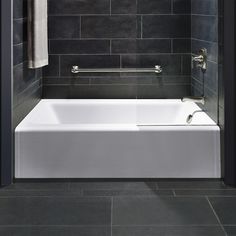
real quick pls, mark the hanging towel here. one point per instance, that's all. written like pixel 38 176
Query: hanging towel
pixel 37 33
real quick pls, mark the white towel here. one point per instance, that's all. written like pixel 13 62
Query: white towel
pixel 37 33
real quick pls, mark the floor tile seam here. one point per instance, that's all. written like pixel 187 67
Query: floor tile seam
pixel 55 225
pixel 151 197
pixel 118 189
pixel 166 225
pixel 34 189
pixel 114 225
pixel 109 226
pixel 145 196
pixel 79 197
pixel 229 225
pixel 202 189
pixel 211 196
pixel 217 217
pixel 107 197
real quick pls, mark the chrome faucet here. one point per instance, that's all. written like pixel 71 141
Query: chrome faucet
pixel 201 59
pixel 194 99
pixel 190 117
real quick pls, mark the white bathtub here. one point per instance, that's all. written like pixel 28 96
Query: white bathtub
pixel 116 139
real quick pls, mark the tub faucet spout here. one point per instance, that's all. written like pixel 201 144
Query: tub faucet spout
pixel 194 99
pixel 190 116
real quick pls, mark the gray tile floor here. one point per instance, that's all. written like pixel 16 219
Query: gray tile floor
pixel 118 208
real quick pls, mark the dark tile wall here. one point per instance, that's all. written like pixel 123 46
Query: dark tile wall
pixel 26 82
pixel 204 26
pixel 220 74
pixel 114 34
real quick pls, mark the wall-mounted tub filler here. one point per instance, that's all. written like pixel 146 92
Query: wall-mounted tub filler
pixel 190 116
pixel 200 100
pixel 200 59
pixel 157 69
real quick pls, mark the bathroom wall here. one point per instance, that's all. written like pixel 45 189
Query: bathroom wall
pixel 220 62
pixel 221 78
pixel 114 34
pixel 26 82
pixel 205 35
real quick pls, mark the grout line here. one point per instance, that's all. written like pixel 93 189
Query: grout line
pixel 214 212
pixel 132 54
pixel 167 225
pixel 164 225
pixel 126 14
pixel 204 15
pixel 117 38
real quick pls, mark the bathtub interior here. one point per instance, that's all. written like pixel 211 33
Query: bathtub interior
pixel 171 112
pixel 116 139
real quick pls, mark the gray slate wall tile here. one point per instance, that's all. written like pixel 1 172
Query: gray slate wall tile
pixel 65 7
pixel 205 28
pixel 26 82
pixel 182 6
pixel 205 7
pixel 113 34
pixel 63 27
pixel 124 7
pixel 124 26
pixel 129 46
pixel 154 7
pixel 166 26
pixel 79 47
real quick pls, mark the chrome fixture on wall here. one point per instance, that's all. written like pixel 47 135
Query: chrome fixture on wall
pixel 157 70
pixel 201 59
pixel 194 99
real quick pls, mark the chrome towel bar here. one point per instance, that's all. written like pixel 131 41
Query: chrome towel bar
pixel 157 69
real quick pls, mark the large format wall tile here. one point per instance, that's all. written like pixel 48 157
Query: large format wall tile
pixel 79 46
pixel 63 27
pixel 114 34
pixel 136 46
pixel 154 7
pixel 166 26
pixel 205 7
pixel 205 28
pixel 61 7
pixel 109 26
pixel 26 82
pixel 205 34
